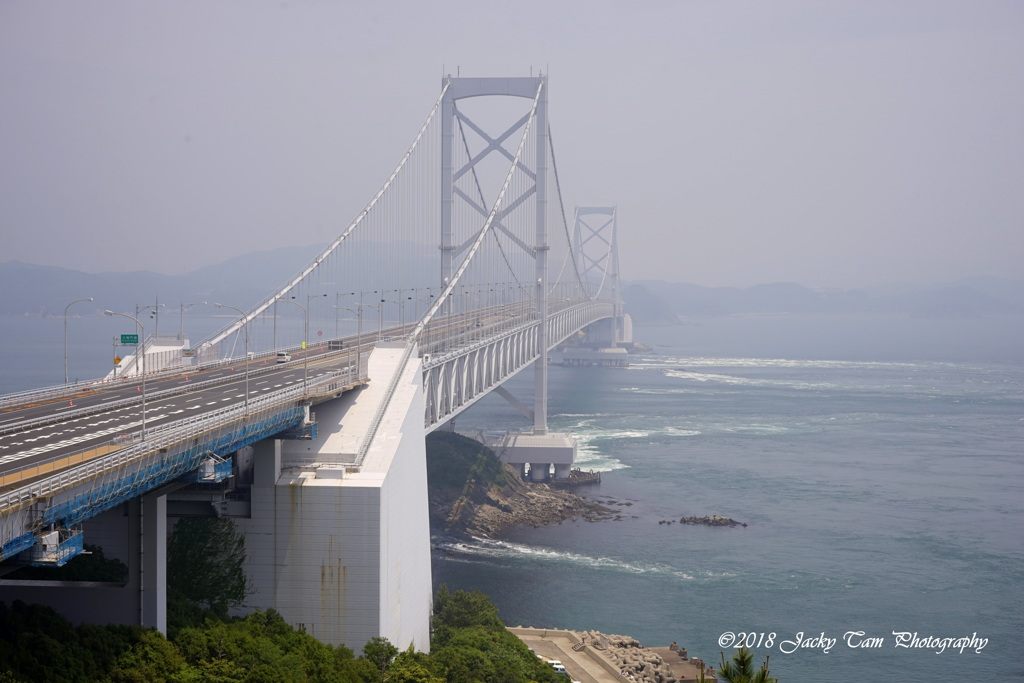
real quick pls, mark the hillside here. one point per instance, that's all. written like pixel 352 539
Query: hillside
pixel 244 280
pixel 472 493
pixel 657 302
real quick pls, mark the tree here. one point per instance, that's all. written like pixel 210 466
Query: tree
pixel 740 669
pixel 413 667
pixel 151 659
pixel 205 563
pixel 462 609
pixel 380 652
pixel 471 643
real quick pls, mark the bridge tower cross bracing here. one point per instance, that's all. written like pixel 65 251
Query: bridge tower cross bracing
pixel 534 88
pixel 361 473
pixel 595 231
pixel 595 248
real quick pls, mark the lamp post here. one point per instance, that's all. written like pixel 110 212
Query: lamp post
pixel 88 298
pixel 337 306
pixel 245 328
pixel 309 304
pixel 417 299
pixel 358 310
pixel 143 342
pixel 305 344
pixel 400 301
pixel 181 317
pixel 155 315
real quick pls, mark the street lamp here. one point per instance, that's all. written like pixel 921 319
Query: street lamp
pixel 143 342
pixel 358 310
pixel 309 303
pixel 155 315
pixel 181 317
pixel 337 302
pixel 245 328
pixel 417 299
pixel 88 298
pixel 305 345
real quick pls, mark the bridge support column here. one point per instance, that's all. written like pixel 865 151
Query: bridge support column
pixel 342 549
pixel 540 451
pixel 153 564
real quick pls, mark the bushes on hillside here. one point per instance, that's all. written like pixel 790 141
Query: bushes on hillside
pixel 470 645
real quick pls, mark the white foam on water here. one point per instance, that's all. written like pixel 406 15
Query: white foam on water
pixel 590 433
pixel 703 361
pixel 658 392
pixel 493 549
pixel 746 381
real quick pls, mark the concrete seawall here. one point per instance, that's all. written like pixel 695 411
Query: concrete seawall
pixel 588 662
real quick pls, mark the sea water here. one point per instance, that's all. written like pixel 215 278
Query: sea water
pixel 877 462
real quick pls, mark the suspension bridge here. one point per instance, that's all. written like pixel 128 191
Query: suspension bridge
pixel 304 419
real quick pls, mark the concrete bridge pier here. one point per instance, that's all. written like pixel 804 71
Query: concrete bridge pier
pixel 540 471
pixel 540 451
pixel 341 548
pixel 606 344
pixel 153 561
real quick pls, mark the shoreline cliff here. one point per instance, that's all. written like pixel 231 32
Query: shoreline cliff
pixel 472 493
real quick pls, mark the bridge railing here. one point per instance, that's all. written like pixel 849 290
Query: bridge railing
pixel 161 392
pixel 86 463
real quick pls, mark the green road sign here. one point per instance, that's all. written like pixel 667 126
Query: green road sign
pixel 129 339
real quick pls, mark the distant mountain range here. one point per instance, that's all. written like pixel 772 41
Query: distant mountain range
pixel 245 280
pixel 652 301
pixel 241 281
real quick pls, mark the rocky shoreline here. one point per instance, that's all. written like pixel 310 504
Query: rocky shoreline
pixel 486 511
pixel 604 658
pixel 642 664
pixel 471 493
pixel 707 520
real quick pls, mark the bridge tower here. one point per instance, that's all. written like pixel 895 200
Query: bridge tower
pixel 451 116
pixel 539 448
pixel 595 244
pixel 326 475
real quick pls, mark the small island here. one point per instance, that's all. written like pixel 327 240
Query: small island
pixel 706 520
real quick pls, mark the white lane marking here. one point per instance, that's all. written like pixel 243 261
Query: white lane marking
pixel 79 439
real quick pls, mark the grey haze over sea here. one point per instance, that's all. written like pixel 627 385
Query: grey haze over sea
pixel 877 461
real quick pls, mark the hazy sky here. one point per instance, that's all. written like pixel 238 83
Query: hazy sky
pixel 832 143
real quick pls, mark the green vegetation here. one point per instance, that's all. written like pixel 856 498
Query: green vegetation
pixel 205 570
pixel 458 463
pixel 740 669
pixel 205 579
pixel 470 645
